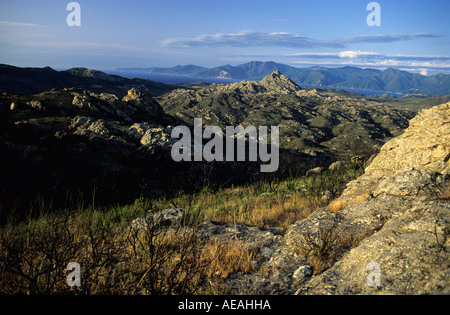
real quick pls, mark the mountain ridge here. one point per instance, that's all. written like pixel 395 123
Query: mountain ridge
pixel 389 80
pixel 16 80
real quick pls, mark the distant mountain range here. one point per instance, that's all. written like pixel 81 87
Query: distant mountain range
pixel 389 80
pixel 17 80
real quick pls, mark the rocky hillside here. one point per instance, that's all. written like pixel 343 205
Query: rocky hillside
pixel 72 144
pixel 310 120
pixel 403 198
pixel 389 233
pixel 398 218
pixel 118 144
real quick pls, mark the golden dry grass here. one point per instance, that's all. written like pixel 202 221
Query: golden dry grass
pixel 226 258
pixel 34 254
pixel 337 205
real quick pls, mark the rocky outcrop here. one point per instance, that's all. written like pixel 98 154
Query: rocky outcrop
pixel 404 220
pixel 141 102
pixel 425 144
pixel 72 139
pixel 134 107
pixel 395 239
pixel 279 83
pixel 152 136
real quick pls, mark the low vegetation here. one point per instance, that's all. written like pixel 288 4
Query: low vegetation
pixel 35 250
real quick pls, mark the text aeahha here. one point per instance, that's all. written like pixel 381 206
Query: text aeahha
pixel 242 304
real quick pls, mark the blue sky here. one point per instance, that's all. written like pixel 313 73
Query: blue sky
pixel 414 35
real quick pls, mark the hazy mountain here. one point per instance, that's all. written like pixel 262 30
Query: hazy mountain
pixel 389 80
pixel 177 70
pixel 254 70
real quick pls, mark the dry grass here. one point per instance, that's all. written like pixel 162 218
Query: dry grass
pixel 117 260
pixel 362 197
pixel 337 205
pixel 229 257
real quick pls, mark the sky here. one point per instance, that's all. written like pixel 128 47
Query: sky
pixel 413 35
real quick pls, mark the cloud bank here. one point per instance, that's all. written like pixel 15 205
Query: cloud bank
pixel 418 63
pixel 250 39
pixel 283 39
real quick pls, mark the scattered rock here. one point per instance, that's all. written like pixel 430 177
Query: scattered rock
pixel 327 196
pixel 166 218
pixel 302 273
pixel 36 105
pixel 315 171
pixel 337 165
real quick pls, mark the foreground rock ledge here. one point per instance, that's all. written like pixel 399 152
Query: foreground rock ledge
pixel 398 211
pixel 401 197
pixel 402 203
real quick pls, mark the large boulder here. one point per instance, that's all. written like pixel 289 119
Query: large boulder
pixel 401 205
pixel 424 145
pixel 143 104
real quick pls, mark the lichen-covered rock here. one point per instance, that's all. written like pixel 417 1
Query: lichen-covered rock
pixel 167 218
pixel 411 252
pixel 407 219
pixel 425 144
pixel 413 182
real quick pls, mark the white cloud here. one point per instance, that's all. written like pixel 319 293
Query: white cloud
pixel 424 64
pixel 250 39
pixel 386 38
pixel 352 54
pixel 375 57
pixel 18 24
pixel 283 39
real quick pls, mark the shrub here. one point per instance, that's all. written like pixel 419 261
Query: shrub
pixel 114 259
pixel 329 241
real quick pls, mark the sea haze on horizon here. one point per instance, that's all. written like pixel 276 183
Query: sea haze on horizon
pixel 168 78
pixel 178 79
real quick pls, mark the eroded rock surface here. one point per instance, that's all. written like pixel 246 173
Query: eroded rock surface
pixel 393 240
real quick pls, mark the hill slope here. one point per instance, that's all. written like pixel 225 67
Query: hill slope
pixel 15 80
pixel 309 120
